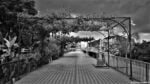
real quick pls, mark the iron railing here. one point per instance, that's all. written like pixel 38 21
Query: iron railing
pixel 140 69
pixel 14 70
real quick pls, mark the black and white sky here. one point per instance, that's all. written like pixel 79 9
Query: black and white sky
pixel 139 10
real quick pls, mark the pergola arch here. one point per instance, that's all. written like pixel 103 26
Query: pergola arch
pixel 115 21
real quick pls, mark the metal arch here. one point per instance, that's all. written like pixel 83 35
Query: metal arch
pixel 103 19
pixel 120 23
pixel 106 19
pixel 102 34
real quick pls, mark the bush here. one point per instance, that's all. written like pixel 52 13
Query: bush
pixel 51 51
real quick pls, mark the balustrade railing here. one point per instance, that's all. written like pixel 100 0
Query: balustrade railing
pixel 140 69
pixel 14 70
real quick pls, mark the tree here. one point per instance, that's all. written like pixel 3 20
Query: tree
pixel 9 28
pixel 9 11
pixel 120 44
pixel 26 38
pixel 141 51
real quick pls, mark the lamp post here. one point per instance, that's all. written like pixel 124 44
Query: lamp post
pixel 99 47
pixel 130 49
pixel 108 47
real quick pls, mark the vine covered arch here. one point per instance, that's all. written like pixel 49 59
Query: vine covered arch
pixel 102 24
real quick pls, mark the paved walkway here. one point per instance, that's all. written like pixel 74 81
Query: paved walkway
pixel 74 68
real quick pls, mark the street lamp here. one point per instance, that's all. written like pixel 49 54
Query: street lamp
pixel 108 47
pixel 130 23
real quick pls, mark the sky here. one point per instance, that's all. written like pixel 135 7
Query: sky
pixel 138 10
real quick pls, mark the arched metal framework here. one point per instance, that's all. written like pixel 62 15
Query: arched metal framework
pixel 111 22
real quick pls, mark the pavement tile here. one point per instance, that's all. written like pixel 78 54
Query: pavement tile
pixel 74 70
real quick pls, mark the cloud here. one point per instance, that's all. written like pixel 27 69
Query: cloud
pixel 96 35
pixel 137 9
pixel 144 36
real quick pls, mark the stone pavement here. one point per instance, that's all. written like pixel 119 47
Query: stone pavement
pixel 74 68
